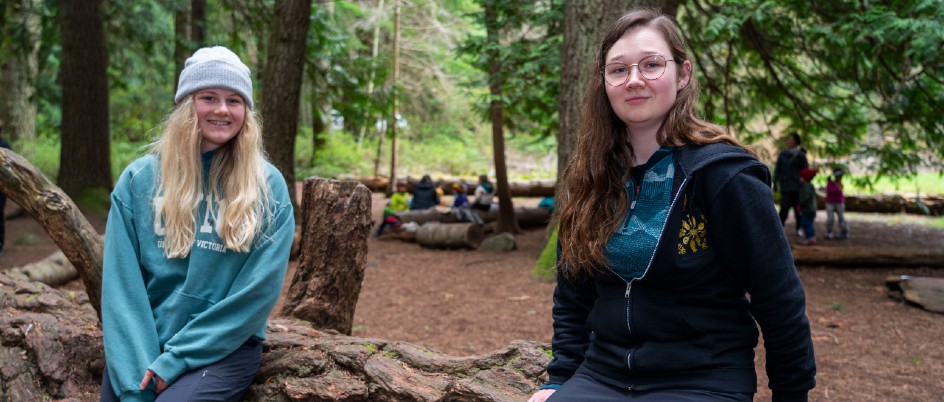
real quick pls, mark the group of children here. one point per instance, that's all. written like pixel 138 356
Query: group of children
pixel 427 195
pixel 835 206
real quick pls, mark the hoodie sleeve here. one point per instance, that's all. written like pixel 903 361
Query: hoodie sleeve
pixel 222 328
pixel 573 300
pixel 130 335
pixel 752 242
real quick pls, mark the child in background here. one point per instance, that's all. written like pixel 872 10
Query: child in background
pixel 399 201
pixel 835 204
pixel 807 205
pixel 461 200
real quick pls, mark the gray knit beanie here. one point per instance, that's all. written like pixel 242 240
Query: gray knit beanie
pixel 215 67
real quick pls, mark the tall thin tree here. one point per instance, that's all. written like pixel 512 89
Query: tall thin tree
pixel 506 209
pixel 85 162
pixel 19 68
pixel 281 84
pixel 392 125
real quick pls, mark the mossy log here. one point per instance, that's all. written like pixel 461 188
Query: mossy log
pixel 51 349
pixel 450 235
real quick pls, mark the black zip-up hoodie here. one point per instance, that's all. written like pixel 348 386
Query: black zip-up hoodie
pixel 687 322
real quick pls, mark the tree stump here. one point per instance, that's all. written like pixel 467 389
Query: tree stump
pixel 335 226
pixel 450 235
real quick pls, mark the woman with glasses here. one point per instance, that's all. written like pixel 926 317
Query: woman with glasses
pixel 671 252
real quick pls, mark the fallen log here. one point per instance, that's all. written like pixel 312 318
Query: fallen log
pixel 527 217
pixel 450 235
pixel 52 347
pixel 867 256
pixel 528 188
pixel 54 270
pixel 922 291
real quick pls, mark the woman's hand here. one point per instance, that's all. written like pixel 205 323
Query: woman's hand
pixel 541 395
pixel 159 382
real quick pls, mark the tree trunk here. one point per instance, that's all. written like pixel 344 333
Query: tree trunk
pixel 506 218
pixel 392 125
pixel 198 21
pixel 335 226
pixel 53 347
pixel 85 162
pixel 20 66
pixel 55 211
pixel 182 48
pixel 450 235
pixel 282 83
pixel 585 22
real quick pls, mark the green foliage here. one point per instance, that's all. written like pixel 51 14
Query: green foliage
pixel 43 153
pixel 545 267
pixel 528 53
pixel 861 79
pixel 339 156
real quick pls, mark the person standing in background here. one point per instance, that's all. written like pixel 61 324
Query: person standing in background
pixel 787 176
pixel 836 206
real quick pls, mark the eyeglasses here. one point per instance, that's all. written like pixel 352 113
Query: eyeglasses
pixel 650 68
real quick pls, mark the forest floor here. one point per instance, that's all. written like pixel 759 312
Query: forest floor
pixel 869 347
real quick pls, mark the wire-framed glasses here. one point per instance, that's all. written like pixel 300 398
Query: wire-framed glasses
pixel 650 67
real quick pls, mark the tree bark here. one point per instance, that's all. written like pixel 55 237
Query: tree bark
pixel 335 226
pixel 55 211
pixel 85 162
pixel 282 81
pixel 506 218
pixel 20 67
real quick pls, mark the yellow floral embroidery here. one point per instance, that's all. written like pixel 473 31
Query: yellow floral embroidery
pixel 693 236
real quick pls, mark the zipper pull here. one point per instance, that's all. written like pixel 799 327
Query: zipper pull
pixel 629 286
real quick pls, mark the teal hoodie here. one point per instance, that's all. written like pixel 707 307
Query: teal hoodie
pixel 173 315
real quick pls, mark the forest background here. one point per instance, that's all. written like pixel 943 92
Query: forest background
pixel 86 83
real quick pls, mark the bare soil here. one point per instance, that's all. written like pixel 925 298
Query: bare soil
pixel 869 347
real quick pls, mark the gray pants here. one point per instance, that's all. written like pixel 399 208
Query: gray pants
pixel 226 380
pixel 839 210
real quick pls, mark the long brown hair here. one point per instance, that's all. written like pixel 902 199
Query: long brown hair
pixel 593 197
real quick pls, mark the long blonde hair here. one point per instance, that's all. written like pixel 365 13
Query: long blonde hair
pixel 595 200
pixel 237 182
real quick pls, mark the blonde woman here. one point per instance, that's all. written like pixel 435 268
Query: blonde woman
pixel 196 247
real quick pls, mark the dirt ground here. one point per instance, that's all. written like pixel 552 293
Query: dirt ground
pixel 869 347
